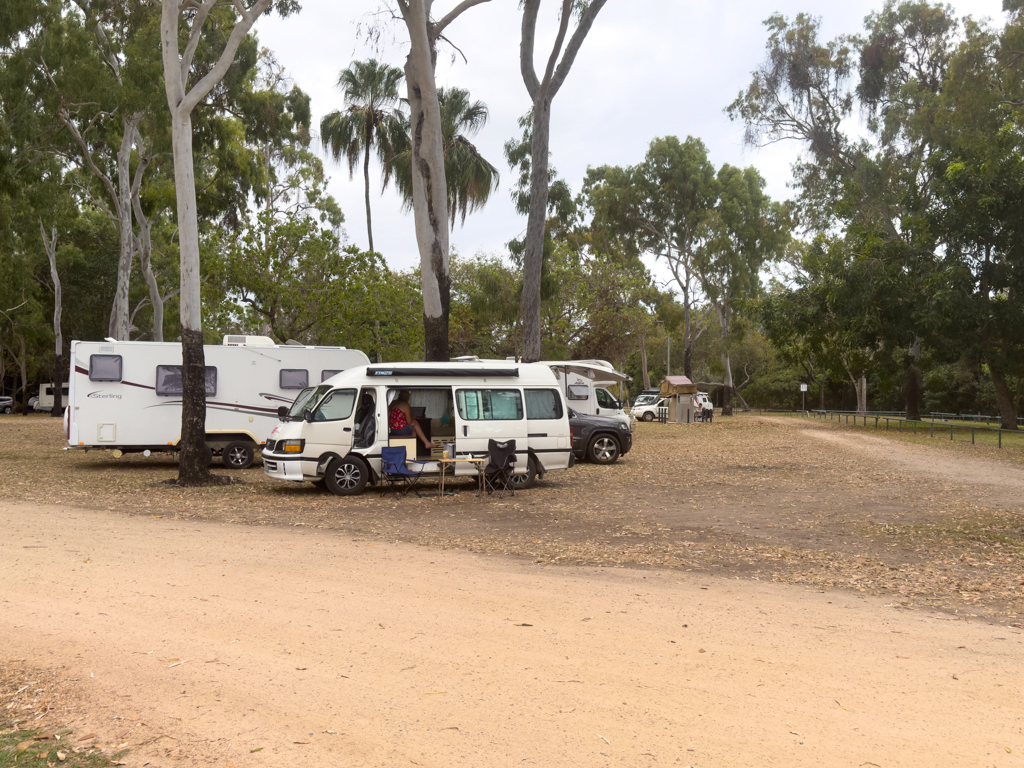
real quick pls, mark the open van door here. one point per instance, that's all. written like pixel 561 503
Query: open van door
pixel 487 412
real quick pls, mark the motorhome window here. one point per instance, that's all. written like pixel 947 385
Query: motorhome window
pixel 605 399
pixel 104 368
pixel 294 378
pixel 336 406
pixel 169 381
pixel 578 392
pixel 543 404
pixel 489 404
pixel 325 375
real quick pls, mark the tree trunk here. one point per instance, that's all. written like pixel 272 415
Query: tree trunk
pixel 1007 413
pixel 643 362
pixel 145 242
pixel 687 328
pixel 23 366
pixel 728 390
pixel 860 387
pixel 914 382
pixel 533 255
pixel 50 244
pixel 821 391
pixel 193 468
pixel 429 184
pixel 366 179
pixel 119 326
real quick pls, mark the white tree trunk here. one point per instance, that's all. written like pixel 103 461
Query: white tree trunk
pixel 145 242
pixel 727 380
pixel 50 245
pixel 119 325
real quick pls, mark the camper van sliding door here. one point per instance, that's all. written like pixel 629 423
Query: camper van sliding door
pixel 548 427
pixel 486 412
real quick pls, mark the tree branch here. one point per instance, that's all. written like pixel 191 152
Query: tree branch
pixel 574 44
pixel 563 27
pixel 452 15
pixel 526 45
pixel 194 35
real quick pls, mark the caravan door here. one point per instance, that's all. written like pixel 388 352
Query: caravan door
pixel 484 413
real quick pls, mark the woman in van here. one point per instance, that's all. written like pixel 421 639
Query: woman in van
pixel 400 420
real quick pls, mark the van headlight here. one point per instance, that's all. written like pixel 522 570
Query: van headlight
pixel 291 446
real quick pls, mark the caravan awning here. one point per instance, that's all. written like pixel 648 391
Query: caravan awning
pixel 595 373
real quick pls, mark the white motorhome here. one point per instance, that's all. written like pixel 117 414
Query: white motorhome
pixel 334 433
pixel 585 386
pixel 45 400
pixel 125 396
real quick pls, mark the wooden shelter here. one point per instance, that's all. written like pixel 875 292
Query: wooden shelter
pixel 679 392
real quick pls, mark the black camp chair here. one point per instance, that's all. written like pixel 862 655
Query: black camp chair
pixel 395 473
pixel 501 464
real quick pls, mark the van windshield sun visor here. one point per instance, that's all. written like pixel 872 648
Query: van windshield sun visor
pixel 374 370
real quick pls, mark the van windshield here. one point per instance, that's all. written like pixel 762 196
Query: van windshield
pixel 307 399
pixel 646 400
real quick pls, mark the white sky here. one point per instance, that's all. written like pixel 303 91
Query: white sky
pixel 648 68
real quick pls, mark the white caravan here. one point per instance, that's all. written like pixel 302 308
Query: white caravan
pixel 585 386
pixel 45 400
pixel 333 434
pixel 125 396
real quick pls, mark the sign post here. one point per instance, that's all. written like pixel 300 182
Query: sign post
pixel 803 396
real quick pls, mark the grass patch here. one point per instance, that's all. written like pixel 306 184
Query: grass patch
pixel 38 748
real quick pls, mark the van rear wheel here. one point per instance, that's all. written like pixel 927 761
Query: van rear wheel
pixel 347 476
pixel 522 482
pixel 238 455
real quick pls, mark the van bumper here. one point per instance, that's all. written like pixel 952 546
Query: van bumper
pixel 287 468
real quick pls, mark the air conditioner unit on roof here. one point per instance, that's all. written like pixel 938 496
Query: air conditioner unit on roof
pixel 248 341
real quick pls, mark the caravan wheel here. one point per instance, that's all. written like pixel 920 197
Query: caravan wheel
pixel 238 455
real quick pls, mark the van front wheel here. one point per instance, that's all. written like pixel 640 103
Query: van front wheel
pixel 347 476
pixel 648 416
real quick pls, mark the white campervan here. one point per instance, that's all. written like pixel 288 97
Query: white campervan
pixel 45 400
pixel 125 396
pixel 333 434
pixel 585 386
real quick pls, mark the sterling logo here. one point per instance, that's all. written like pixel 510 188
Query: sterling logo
pixel 103 396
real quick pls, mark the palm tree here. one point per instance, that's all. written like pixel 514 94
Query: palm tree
pixel 370 120
pixel 471 179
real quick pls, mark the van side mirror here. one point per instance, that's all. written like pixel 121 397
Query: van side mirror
pixel 282 412
pixel 307 416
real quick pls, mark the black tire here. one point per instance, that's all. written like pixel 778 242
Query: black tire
pixel 321 484
pixel 604 449
pixel 238 455
pixel 522 482
pixel 7 409
pixel 347 476
pixel 648 417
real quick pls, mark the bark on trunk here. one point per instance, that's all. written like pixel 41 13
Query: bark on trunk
pixel 50 244
pixel 23 366
pixel 643 363
pixel 119 325
pixel 688 360
pixel 727 387
pixel 366 179
pixel 533 256
pixel 821 391
pixel 429 185
pixel 145 242
pixel 913 392
pixel 1004 398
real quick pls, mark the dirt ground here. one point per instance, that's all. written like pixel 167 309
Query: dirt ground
pixel 925 523
pixel 195 643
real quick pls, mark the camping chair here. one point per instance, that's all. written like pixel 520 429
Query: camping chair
pixel 501 461
pixel 396 475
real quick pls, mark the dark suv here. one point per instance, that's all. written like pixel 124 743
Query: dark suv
pixel 599 438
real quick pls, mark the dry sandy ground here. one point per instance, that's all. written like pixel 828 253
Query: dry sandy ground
pixel 199 643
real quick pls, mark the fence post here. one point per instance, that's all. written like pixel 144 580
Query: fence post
pixel 972 435
pixel 1000 439
pixel 900 422
pixel 951 433
pixel 933 427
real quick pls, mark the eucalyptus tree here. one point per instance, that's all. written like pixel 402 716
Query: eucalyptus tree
pixel 542 91
pixel 470 178
pixel 429 182
pixel 370 122
pixel 182 98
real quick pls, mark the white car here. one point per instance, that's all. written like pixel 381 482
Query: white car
pixel 6 404
pixel 646 407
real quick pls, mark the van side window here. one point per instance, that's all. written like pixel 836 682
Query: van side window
pixel 489 404
pixel 605 399
pixel 327 374
pixel 294 378
pixel 543 404
pixel 577 392
pixel 169 381
pixel 104 367
pixel 336 406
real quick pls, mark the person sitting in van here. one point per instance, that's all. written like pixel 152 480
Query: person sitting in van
pixel 400 420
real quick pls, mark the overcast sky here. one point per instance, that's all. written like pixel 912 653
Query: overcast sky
pixel 648 68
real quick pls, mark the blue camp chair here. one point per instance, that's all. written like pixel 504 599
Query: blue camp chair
pixel 396 474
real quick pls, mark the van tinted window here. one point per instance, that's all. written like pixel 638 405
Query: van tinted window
pixel 294 378
pixel 104 367
pixel 543 404
pixel 489 404
pixel 169 381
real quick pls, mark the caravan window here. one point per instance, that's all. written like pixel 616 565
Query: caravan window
pixel 325 375
pixel 489 404
pixel 578 392
pixel 169 381
pixel 294 378
pixel 336 406
pixel 104 368
pixel 543 404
